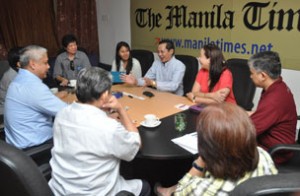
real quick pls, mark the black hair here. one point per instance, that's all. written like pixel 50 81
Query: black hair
pixel 169 44
pixel 118 58
pixel 69 38
pixel 217 63
pixel 13 57
pixel 92 82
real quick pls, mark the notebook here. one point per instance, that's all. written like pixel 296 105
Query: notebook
pixel 116 76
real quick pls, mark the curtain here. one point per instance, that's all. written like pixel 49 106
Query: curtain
pixel 45 22
pixel 78 17
pixel 25 22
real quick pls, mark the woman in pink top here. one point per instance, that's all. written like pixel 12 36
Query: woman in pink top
pixel 214 80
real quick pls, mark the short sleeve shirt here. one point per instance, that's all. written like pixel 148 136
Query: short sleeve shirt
pixel 225 81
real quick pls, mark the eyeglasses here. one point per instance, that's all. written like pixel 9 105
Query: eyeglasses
pixel 72 67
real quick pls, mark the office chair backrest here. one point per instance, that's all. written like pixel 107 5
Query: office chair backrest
pixel 191 70
pixel 145 57
pixel 281 184
pixel 293 164
pixel 243 87
pixel 19 175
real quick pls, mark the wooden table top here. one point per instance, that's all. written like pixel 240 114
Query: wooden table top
pixel 162 104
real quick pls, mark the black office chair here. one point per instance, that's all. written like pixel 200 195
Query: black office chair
pixel 292 165
pixel 19 174
pixel 243 87
pixel 275 185
pixel 105 66
pixel 145 57
pixel 2 133
pixel 191 65
pixel 41 156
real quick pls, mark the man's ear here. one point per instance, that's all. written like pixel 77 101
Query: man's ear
pixel 264 75
pixel 104 95
pixel 172 50
pixel 18 64
pixel 32 64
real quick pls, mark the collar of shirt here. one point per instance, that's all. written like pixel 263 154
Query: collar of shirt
pixel 169 61
pixel 28 74
pixel 66 57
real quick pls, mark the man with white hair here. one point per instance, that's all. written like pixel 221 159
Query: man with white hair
pixel 30 105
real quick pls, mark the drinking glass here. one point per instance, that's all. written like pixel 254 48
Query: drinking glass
pixel 180 122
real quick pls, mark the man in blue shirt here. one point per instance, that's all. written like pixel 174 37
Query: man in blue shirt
pixel 164 75
pixel 29 104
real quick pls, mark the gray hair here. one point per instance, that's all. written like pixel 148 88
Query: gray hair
pixel 268 62
pixel 92 83
pixel 31 52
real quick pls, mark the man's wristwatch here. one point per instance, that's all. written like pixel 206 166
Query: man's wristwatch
pixel 153 84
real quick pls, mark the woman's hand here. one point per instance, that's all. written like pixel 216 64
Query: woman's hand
pixel 128 79
pixel 220 95
pixel 190 96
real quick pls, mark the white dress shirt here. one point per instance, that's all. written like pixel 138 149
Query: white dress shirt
pixel 88 147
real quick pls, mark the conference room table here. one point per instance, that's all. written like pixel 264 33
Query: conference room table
pixel 156 141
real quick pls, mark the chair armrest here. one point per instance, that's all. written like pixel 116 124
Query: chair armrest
pixel 292 147
pixel 45 169
pixel 37 150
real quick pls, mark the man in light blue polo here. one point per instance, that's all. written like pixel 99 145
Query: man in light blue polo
pixel 165 74
pixel 29 104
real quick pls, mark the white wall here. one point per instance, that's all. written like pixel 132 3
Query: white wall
pixel 114 26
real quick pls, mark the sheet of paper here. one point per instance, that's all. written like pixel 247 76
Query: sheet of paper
pixel 188 142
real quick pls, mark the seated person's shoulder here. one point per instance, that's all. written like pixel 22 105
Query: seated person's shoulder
pixel 134 61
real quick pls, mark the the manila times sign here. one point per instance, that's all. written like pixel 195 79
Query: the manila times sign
pixel 240 28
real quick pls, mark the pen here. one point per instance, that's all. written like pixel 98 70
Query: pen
pixel 182 106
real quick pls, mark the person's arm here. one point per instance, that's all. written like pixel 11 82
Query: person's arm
pixel 150 75
pixel 136 68
pixel 114 104
pixel 45 101
pixel 63 81
pixel 58 72
pixel 85 60
pixel 264 117
pixel 184 186
pixel 198 168
pixel 197 96
pixel 218 96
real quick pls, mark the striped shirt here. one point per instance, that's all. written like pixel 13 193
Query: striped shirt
pixel 208 185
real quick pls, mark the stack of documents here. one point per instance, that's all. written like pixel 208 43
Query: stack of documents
pixel 189 142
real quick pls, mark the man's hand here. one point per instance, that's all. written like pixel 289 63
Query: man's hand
pixel 148 82
pixel 64 82
pixel 113 103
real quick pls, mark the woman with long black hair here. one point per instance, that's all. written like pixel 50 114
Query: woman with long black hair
pixel 214 81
